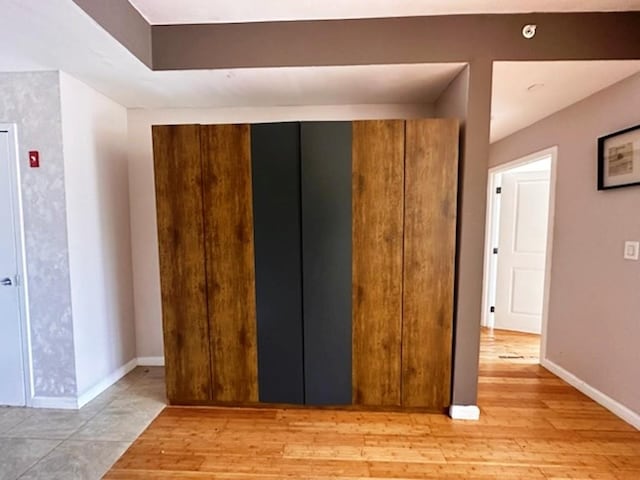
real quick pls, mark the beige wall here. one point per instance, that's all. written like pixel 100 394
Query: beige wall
pixel 144 238
pixel 594 310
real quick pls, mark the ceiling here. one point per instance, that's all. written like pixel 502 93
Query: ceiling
pixel 525 92
pixel 58 35
pixel 160 12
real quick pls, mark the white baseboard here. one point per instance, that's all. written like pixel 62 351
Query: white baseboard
pixel 151 361
pixel 626 414
pixel 106 382
pixel 73 403
pixel 66 403
pixel 464 412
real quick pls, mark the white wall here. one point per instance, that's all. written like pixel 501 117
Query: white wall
pixel 146 274
pixel 593 327
pixel 94 130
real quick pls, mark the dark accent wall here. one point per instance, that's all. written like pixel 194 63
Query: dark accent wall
pixel 275 155
pixel 326 259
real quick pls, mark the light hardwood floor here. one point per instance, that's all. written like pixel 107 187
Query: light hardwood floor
pixel 532 426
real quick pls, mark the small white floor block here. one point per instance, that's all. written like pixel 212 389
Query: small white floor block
pixel 464 412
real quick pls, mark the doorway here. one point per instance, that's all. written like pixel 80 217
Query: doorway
pixel 518 243
pixel 14 377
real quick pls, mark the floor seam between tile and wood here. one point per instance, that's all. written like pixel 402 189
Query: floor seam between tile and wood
pixel 83 444
pixel 532 425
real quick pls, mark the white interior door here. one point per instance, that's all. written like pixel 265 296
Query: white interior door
pixel 522 242
pixel 12 391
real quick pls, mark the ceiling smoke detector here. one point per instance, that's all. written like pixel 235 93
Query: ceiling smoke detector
pixel 529 31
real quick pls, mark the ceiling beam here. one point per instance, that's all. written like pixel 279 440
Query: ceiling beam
pixel 458 38
pixel 449 38
pixel 124 23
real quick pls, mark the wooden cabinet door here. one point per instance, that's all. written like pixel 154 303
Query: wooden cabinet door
pixel 178 180
pixel 377 216
pixel 228 217
pixel 431 167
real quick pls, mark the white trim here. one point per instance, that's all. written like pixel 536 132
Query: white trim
pixel 626 414
pixel 66 403
pixel 73 403
pixel 491 216
pixel 549 260
pixel 98 388
pixel 21 260
pixel 105 383
pixel 151 361
pixel 464 412
pixel 553 153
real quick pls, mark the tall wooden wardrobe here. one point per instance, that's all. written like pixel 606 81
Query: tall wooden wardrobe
pixel 308 263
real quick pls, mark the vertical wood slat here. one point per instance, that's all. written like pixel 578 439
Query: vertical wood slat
pixel 377 209
pixel 227 198
pixel 431 175
pixel 178 182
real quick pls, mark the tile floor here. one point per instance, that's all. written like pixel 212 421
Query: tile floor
pixel 79 444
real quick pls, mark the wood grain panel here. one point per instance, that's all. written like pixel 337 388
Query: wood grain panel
pixel 226 157
pixel 178 180
pixel 377 212
pixel 431 167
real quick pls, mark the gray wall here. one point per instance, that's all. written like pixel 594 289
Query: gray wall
pixel 466 99
pixel 454 102
pixel 594 310
pixel 32 101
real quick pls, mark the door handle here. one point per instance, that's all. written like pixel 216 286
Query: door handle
pixel 6 282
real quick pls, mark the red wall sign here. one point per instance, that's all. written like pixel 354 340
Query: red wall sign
pixel 34 159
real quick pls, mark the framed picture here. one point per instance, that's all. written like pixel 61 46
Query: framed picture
pixel 619 159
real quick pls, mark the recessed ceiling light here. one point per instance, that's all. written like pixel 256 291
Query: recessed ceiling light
pixel 535 87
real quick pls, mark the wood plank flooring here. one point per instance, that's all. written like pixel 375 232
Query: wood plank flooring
pixel 532 426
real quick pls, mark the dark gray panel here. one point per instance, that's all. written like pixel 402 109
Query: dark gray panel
pixel 326 250
pixel 275 156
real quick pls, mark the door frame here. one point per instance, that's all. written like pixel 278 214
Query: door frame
pixel 21 281
pixel 492 217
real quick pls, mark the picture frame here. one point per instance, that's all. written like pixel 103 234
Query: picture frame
pixel 619 159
